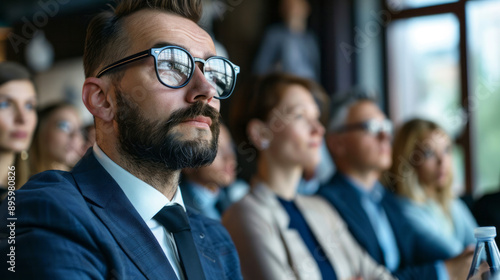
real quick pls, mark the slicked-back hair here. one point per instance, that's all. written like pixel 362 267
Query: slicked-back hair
pixel 107 40
pixel 341 104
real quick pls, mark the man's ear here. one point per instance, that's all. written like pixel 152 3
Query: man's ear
pixel 259 134
pixel 96 97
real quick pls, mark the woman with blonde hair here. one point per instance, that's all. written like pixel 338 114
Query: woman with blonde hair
pixel 17 122
pixel 422 176
pixel 278 233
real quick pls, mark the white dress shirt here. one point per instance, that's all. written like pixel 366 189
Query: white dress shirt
pixel 147 201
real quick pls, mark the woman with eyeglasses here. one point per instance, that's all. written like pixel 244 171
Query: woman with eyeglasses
pixel 422 176
pixel 17 123
pixel 58 141
pixel 278 233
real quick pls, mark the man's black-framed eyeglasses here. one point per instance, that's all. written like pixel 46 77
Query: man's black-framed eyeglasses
pixel 175 67
pixel 373 127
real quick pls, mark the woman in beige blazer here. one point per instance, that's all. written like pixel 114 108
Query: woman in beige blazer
pixel 282 123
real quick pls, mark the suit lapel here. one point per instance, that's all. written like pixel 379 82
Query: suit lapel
pixel 299 256
pixel 113 208
pixel 349 206
pixel 324 231
pixel 208 257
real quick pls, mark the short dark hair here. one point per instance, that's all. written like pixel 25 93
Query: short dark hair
pixel 11 71
pixel 265 95
pixel 107 39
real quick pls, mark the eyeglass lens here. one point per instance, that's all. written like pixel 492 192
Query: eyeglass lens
pixel 220 74
pixel 175 67
pixel 376 127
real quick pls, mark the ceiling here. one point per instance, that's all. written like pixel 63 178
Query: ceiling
pixel 14 11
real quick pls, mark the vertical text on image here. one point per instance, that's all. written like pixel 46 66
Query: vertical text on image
pixel 11 219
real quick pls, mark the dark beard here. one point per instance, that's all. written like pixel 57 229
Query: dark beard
pixel 152 144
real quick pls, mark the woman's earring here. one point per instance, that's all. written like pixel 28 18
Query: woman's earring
pixel 24 155
pixel 264 144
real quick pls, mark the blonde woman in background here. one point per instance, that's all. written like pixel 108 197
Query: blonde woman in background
pixel 58 142
pixel 422 176
pixel 17 122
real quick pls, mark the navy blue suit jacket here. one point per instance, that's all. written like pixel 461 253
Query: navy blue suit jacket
pixel 80 225
pixel 347 201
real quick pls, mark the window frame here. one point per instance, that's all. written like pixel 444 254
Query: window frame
pixel 467 138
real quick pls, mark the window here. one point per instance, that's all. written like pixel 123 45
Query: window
pixel 483 26
pixel 405 4
pixel 424 69
pixel 443 63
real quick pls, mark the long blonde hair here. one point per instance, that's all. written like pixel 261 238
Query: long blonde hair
pixel 402 176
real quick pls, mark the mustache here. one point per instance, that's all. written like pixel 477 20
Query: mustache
pixel 195 110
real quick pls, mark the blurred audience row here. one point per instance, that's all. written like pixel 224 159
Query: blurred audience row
pixel 387 212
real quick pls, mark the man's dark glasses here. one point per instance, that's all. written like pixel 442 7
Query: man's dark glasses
pixel 373 127
pixel 175 67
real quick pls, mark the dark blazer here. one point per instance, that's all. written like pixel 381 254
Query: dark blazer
pixel 486 210
pixel 346 200
pixel 80 225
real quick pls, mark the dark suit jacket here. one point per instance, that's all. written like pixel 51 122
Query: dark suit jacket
pixel 342 195
pixel 486 210
pixel 80 225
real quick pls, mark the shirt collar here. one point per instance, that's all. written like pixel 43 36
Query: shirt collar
pixel 204 196
pixel 145 198
pixel 375 194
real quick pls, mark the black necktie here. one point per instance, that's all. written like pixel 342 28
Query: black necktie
pixel 175 220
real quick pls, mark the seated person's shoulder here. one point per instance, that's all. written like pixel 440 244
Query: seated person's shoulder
pixel 320 207
pixel 250 207
pixel 49 185
pixel 50 178
pixel 45 197
pixel 253 215
pixel 317 202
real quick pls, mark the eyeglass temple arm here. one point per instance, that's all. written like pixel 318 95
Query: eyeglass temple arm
pixel 124 61
pixel 351 127
pixel 235 67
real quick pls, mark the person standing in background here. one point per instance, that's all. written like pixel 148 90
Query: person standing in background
pixel 289 47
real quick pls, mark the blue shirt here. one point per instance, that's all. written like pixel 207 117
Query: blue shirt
pixel 201 199
pixel 370 201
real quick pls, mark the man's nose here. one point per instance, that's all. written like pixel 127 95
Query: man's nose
pixel 199 88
